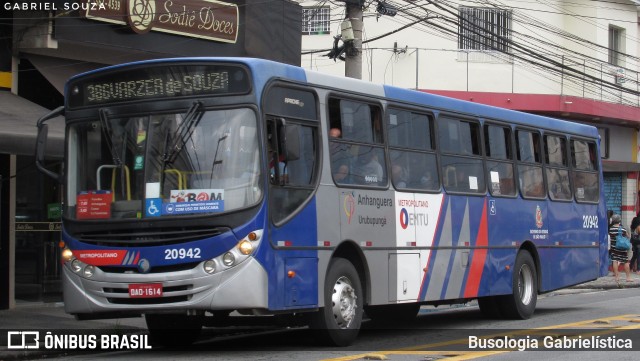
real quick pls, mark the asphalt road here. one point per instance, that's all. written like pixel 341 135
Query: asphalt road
pixel 606 316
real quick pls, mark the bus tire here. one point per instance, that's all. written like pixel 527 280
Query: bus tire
pixel 490 307
pixel 338 322
pixel 522 302
pixel 170 330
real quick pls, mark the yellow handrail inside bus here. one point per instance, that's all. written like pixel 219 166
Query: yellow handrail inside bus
pixel 113 182
pixel 182 178
pixel 113 179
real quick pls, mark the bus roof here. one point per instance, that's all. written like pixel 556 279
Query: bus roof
pixel 264 70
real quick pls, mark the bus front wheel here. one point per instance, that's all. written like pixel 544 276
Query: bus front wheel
pixel 522 302
pixel 338 322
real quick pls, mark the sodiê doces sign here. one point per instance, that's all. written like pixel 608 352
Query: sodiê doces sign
pixel 205 19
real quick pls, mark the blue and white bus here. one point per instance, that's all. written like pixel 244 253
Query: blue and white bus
pixel 211 191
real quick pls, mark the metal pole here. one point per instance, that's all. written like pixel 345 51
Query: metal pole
pixel 417 66
pixel 467 70
pixel 353 61
pixel 562 78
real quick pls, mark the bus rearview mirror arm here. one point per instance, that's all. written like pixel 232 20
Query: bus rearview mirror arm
pixel 41 143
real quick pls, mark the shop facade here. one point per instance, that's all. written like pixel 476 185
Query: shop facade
pixel 44 44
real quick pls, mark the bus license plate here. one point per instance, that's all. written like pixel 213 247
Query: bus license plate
pixel 145 290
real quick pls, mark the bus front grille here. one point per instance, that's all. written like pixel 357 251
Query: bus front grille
pixel 155 269
pixel 149 238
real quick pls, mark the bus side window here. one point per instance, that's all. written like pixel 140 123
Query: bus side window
pixel 355 143
pixel 500 172
pixel 461 139
pixel 585 172
pixel 555 154
pixel 412 153
pixel 530 177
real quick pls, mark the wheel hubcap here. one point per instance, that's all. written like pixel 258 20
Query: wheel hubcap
pixel 344 302
pixel 525 284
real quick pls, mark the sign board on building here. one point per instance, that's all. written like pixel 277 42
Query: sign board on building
pixel 205 19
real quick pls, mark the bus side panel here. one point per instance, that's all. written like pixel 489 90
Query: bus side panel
pixel 574 255
pixel 300 288
pixel 460 265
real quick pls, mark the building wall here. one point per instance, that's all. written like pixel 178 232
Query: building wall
pixel 622 141
pixel 426 59
pixel 421 57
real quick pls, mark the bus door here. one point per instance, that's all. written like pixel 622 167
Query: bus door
pixel 292 153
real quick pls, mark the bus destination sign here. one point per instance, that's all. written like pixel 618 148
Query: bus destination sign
pixel 157 82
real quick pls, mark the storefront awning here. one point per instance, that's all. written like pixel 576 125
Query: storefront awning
pixel 619 167
pixel 18 119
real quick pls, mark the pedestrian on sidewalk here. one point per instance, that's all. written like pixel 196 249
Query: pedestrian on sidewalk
pixel 617 255
pixel 635 244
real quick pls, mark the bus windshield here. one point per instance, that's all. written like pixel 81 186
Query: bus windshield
pixel 159 165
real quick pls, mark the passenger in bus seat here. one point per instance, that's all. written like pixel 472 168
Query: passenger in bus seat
pixel 340 172
pixel 428 181
pixel 367 167
pixel 282 167
pixel 399 176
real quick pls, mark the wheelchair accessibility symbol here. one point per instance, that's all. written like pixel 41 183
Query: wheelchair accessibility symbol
pixel 152 207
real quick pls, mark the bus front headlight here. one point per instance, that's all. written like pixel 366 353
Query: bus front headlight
pixel 236 255
pixel 76 266
pixel 66 255
pixel 89 271
pixel 209 266
pixel 245 247
pixel 228 259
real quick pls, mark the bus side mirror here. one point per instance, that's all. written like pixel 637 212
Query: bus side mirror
pixel 41 144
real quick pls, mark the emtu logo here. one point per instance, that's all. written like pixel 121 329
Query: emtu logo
pixel 23 340
pixel 404 218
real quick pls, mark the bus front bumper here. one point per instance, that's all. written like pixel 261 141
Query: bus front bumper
pixel 244 286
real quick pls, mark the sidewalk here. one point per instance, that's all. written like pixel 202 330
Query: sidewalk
pixel 609 282
pixel 37 316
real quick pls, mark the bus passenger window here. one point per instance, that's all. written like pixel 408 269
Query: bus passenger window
pixel 413 159
pixel 356 143
pixel 500 172
pixel 531 182
pixel 558 180
pixel 367 170
pixel 555 155
pixel 585 173
pixel 501 179
pixel 463 175
pixel 530 176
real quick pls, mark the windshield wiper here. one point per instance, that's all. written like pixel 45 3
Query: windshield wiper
pixel 183 133
pixel 215 156
pixel 108 132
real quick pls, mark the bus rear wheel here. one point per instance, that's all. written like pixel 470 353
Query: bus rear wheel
pixel 173 330
pixel 338 322
pixel 522 302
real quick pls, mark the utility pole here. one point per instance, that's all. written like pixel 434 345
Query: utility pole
pixel 353 59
